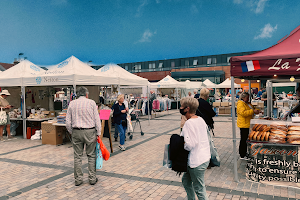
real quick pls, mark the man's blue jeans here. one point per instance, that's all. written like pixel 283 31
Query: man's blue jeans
pixel 122 131
pixel 193 182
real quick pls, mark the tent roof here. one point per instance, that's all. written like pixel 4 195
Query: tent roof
pixel 193 84
pixel 72 71
pixel 286 48
pixel 227 84
pixel 71 65
pixel 280 61
pixel 19 74
pixel 124 77
pixel 168 82
pixel 22 69
pixel 209 84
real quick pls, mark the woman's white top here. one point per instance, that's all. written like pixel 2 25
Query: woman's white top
pixel 196 141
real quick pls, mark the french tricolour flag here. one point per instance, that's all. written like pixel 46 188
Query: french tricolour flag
pixel 251 65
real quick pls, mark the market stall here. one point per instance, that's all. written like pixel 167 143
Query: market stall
pixel 191 85
pixel 124 78
pixel 273 144
pixel 170 83
pixel 227 84
pixel 70 72
pixel 209 84
pixel 20 75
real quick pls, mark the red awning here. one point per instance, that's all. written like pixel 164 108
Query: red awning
pixel 280 59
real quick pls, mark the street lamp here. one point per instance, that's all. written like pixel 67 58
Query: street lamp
pixel 20 54
pixel 89 62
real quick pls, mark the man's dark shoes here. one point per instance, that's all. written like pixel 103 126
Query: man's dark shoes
pixel 94 182
pixel 79 183
pixel 116 139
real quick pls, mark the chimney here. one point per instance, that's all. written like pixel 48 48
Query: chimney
pixel 16 61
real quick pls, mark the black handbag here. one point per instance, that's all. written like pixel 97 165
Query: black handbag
pixel 124 122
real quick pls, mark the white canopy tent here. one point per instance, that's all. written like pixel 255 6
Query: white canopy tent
pixel 74 72
pixel 69 72
pixel 22 74
pixel 124 77
pixel 209 84
pixel 227 84
pixel 193 84
pixel 168 82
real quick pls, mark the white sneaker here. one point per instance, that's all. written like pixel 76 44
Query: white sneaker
pixel 122 148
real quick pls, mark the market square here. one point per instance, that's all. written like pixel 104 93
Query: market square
pixel 150 99
pixel 31 170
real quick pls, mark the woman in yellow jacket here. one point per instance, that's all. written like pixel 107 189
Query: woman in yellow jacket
pixel 245 113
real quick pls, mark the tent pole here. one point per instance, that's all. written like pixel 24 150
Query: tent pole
pixel 250 95
pixel 268 98
pixel 234 130
pixel 271 99
pixel 148 102
pixel 23 111
pixel 74 86
pixel 177 97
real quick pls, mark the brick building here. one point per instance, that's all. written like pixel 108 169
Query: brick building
pixel 213 67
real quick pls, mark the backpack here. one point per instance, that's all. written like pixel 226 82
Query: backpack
pixel 178 155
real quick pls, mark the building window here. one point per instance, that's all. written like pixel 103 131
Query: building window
pixel 160 65
pixel 228 59
pixel 137 68
pixel 173 64
pixel 209 61
pixel 195 62
pixel 186 63
pixel 152 67
pixel 214 60
pixel 126 67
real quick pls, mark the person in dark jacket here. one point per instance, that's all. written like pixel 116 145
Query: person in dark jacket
pixel 120 115
pixel 205 109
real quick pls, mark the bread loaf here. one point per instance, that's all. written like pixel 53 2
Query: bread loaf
pixel 251 135
pixel 294 128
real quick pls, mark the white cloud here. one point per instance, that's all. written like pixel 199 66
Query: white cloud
pixel 140 8
pixel 260 6
pixel 266 32
pixel 194 9
pixel 237 1
pixel 147 35
pixel 256 6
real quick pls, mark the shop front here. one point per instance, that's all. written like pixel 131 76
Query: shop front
pixel 273 143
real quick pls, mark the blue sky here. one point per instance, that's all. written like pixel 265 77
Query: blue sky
pixel 119 31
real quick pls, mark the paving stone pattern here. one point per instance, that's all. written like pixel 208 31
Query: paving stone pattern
pixel 30 170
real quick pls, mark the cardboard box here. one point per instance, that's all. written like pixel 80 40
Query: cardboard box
pixel 260 104
pixel 221 110
pixel 224 104
pixel 255 103
pixel 228 110
pixel 51 134
pixel 45 112
pixel 279 103
pixel 285 104
pixel 51 114
pixel 216 104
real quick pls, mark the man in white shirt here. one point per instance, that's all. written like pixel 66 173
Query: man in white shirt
pixel 83 122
